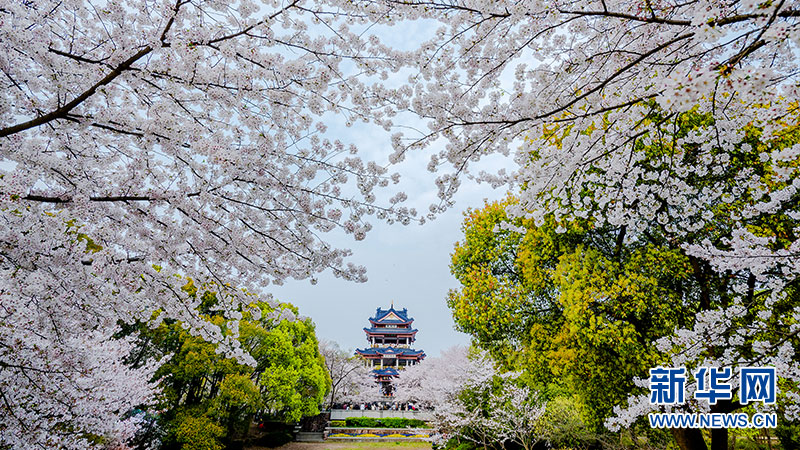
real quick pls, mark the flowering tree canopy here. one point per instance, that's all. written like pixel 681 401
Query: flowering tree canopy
pixel 351 379
pixel 668 122
pixel 587 304
pixel 470 399
pixel 444 386
pixel 583 83
pixel 514 412
pixel 155 138
pixel 146 141
pixel 437 381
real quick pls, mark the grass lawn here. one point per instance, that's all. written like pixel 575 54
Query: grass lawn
pixel 351 446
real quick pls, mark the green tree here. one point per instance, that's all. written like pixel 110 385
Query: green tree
pixel 200 385
pixel 237 400
pixel 555 305
pixel 294 381
pixel 577 300
pixel 198 433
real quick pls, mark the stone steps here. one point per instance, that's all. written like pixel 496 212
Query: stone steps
pixel 309 436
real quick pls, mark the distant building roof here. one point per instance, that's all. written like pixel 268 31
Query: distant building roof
pixel 392 325
pixel 383 351
pixel 391 316
pixel 375 330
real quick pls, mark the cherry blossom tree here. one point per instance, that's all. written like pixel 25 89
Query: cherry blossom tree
pixel 349 376
pixel 591 97
pixel 469 399
pixel 145 142
pixel 437 380
pixel 498 75
pixel 590 83
pixel 438 383
pixel 514 411
pixel 360 386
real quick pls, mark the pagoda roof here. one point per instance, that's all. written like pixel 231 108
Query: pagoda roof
pixel 391 316
pixel 390 351
pixel 375 330
pixel 386 372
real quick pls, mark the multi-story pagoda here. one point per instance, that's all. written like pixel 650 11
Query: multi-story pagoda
pixel 390 337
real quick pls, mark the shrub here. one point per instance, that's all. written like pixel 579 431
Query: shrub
pixel 388 422
pixel 338 423
pixel 274 439
pixel 455 444
pixel 563 426
pixel 789 434
pixel 366 422
pixel 199 433
pixel 397 422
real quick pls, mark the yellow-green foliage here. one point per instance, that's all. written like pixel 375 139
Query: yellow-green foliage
pixel 563 426
pixel 577 306
pixel 238 398
pixel 294 379
pixel 288 382
pixel 198 433
pixel 551 304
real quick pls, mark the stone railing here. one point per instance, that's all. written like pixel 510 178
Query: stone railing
pixel 341 414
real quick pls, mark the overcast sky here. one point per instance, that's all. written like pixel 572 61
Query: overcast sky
pixel 405 264
pixel 408 265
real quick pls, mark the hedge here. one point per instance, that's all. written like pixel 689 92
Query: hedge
pixel 388 422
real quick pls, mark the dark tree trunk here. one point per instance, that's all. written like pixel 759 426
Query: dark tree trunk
pixel 719 439
pixel 689 438
pixel 701 275
pixel 215 381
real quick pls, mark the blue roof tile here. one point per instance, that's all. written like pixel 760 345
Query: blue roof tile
pixel 389 351
pixel 380 315
pixel 390 330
